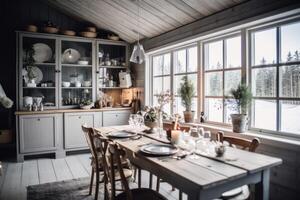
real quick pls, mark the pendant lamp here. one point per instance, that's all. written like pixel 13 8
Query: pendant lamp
pixel 138 53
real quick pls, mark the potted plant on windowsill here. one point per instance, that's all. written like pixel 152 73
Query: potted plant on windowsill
pixel 242 99
pixel 186 92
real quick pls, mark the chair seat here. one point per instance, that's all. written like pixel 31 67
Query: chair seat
pixel 141 193
pixel 125 163
pixel 240 193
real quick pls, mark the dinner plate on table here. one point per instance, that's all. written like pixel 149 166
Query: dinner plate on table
pixel 121 134
pixel 159 149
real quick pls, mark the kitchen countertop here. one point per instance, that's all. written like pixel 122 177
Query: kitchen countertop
pixel 54 111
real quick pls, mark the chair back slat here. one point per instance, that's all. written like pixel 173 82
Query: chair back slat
pixel 242 143
pixel 89 136
pixel 116 156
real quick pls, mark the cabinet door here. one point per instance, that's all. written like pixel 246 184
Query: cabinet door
pixel 74 136
pixel 39 132
pixel 115 118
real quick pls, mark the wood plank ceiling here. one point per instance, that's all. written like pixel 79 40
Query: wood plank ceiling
pixel 157 16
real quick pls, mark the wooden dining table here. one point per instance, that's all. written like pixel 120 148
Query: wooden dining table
pixel 206 177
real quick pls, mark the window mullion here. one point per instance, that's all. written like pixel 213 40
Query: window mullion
pixel 223 74
pixel 278 104
pixel 172 81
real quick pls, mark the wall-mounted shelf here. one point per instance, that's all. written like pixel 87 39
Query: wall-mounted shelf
pixel 114 87
pixel 113 67
pixel 77 87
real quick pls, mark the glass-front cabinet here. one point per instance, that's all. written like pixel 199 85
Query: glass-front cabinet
pixel 37 72
pixel 112 59
pixel 55 72
pixel 76 77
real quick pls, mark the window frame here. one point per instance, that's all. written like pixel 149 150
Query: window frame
pixel 246 64
pixel 223 70
pixel 251 48
pixel 173 74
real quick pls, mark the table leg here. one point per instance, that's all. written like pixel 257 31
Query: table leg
pixel 150 180
pixel 139 177
pixel 262 188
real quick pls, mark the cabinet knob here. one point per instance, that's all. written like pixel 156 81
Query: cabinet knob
pixel 116 115
pixel 79 117
pixel 97 72
pixel 39 119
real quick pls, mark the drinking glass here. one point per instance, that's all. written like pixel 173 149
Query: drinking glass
pixel 195 148
pixel 206 141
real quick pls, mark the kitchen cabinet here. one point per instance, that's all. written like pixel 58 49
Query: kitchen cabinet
pixel 40 133
pixel 74 137
pixel 114 118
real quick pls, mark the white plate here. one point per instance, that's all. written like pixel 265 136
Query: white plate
pixel 70 56
pixel 159 149
pixel 37 72
pixel 42 52
pixel 121 134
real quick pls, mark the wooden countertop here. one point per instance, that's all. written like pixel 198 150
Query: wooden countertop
pixel 54 111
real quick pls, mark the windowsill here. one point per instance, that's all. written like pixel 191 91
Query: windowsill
pixel 292 143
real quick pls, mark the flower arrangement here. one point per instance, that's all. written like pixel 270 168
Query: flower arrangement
pixel 151 114
pixel 164 98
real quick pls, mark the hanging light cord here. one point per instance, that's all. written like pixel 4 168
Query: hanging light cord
pixel 138 21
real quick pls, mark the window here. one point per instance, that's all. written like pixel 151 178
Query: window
pixel 166 71
pixel 268 62
pixel 222 72
pixel 161 77
pixel 275 78
pixel 185 64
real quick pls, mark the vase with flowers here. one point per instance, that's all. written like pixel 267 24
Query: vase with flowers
pixel 153 116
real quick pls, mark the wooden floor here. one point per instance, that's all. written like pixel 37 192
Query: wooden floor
pixel 17 176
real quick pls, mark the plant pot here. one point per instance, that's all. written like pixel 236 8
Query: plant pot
pixel 189 116
pixel 152 126
pixel 239 122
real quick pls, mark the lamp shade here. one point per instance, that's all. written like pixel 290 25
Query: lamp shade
pixel 138 54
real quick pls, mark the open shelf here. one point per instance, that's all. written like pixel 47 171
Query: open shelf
pixel 114 87
pixel 113 67
pixel 77 87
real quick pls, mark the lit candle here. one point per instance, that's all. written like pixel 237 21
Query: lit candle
pixel 175 136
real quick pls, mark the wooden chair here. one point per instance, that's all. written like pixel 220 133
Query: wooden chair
pixel 243 192
pixel 98 150
pixel 116 155
pixel 241 143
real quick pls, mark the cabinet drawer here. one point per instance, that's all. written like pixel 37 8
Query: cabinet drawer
pixel 115 118
pixel 74 136
pixel 39 132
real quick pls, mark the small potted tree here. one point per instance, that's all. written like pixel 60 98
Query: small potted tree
pixel 242 99
pixel 186 92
